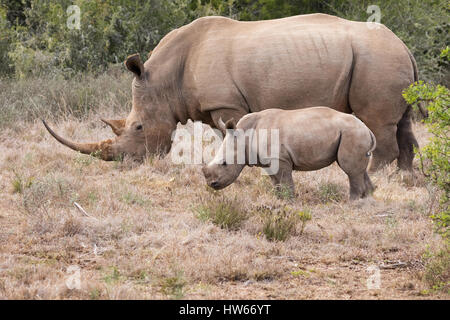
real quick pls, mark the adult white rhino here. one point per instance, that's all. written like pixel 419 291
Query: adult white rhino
pixel 217 67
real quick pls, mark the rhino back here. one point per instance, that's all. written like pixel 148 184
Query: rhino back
pixel 275 63
pixel 306 61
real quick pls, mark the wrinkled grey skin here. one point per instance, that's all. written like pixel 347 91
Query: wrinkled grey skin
pixel 217 67
pixel 310 139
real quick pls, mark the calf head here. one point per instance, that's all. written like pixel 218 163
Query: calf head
pixel 224 169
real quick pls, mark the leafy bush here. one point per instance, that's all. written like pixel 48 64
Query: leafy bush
pixel 330 192
pixel 109 31
pixel 437 272
pixel 34 32
pixel 221 211
pixel 5 43
pixel 283 192
pixel 280 223
pixel 174 286
pixel 434 163
pixel 434 157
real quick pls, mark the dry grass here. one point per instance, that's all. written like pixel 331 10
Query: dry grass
pixel 143 237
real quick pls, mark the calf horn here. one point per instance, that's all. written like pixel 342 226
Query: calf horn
pixel 100 149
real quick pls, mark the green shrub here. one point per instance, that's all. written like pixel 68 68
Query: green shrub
pixel 330 192
pixel 437 271
pixel 434 157
pixel 434 163
pixel 221 211
pixel 110 30
pixel 280 223
pixel 20 183
pixel 6 35
pixel 283 192
pixel 174 286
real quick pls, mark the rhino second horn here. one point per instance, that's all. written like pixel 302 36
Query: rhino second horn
pixel 117 126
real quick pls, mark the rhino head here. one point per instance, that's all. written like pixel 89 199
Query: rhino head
pixel 147 128
pixel 221 172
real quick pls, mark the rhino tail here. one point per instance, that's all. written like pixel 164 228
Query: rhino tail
pixel 373 144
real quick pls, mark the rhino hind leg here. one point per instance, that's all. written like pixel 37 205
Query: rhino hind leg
pixel 358 187
pixel 353 160
pixel 406 141
pixel 370 188
pixel 387 148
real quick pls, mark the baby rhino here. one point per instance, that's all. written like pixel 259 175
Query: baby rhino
pixel 285 140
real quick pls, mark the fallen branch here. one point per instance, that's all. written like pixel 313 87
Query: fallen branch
pixel 80 208
pixel 394 265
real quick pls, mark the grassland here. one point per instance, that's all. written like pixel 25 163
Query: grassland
pixel 154 231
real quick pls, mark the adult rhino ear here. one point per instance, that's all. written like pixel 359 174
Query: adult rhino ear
pixel 117 126
pixel 135 65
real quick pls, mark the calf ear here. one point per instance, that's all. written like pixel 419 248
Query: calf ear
pixel 117 126
pixel 135 65
pixel 221 125
pixel 230 124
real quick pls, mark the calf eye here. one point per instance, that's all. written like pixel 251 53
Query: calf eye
pixel 139 127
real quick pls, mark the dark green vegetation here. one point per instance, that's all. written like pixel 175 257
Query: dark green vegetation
pixel 434 163
pixel 35 38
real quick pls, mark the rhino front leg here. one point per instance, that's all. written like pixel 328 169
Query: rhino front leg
pixel 283 182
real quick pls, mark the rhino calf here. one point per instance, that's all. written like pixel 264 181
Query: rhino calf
pixel 308 139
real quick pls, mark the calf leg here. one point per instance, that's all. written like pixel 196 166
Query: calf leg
pixel 358 187
pixel 282 180
pixel 353 160
pixel 368 183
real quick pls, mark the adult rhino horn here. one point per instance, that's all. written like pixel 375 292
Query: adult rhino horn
pixel 102 149
pixel 117 126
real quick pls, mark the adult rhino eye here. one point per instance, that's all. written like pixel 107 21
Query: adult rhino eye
pixel 139 127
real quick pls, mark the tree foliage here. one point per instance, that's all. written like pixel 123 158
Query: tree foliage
pixel 435 156
pixel 35 39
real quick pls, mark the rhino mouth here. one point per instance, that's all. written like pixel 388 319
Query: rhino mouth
pixel 217 185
